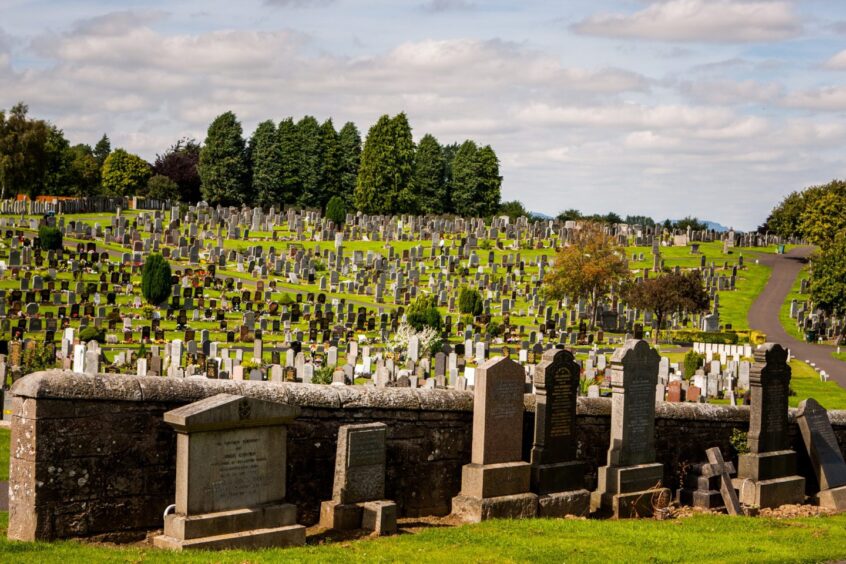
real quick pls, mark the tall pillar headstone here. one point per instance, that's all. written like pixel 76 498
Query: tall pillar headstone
pixel 359 488
pixel 496 483
pixel 766 476
pixel 231 456
pixel 824 452
pixel 557 477
pixel 630 485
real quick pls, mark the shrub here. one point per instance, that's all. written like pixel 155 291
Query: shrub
pixel 423 313
pixel 38 358
pixel 92 333
pixel 323 375
pixel 688 337
pixel 739 441
pixel 162 188
pixel 494 329
pixel 155 279
pixel 692 361
pixel 336 210
pixel 51 238
pixel 470 301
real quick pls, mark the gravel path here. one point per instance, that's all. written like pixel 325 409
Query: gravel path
pixel 763 315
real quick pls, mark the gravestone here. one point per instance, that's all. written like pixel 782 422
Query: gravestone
pixel 824 451
pixel 557 477
pixel 230 476
pixel 630 484
pixel 359 487
pixel 496 482
pixel 766 476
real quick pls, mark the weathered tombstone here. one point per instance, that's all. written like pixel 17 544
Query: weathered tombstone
pixel 230 476
pixel 496 482
pixel 766 476
pixel 359 487
pixel 631 482
pixel 824 451
pixel 557 477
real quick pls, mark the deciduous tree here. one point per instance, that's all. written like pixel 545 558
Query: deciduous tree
pixel 125 174
pixel 180 163
pixel 669 293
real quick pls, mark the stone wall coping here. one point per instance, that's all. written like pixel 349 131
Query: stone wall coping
pixel 66 384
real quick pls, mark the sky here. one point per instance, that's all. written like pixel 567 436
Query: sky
pixel 711 108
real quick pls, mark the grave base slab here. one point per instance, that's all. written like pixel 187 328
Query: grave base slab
pixel 291 535
pixel 474 509
pixel 559 504
pixel 268 516
pixel 704 499
pixel 834 498
pixel 379 516
pixel 560 477
pixel 495 480
pixel 630 504
pixel 766 465
pixel 771 493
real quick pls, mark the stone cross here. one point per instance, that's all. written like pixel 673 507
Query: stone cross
pixel 715 457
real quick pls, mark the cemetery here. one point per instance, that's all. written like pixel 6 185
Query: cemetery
pixel 279 390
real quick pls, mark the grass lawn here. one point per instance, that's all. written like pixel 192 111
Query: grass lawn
pixel 4 454
pixel 706 538
pixel 806 383
pixel 734 305
pixel 839 356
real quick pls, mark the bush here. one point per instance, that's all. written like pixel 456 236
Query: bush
pixel 688 337
pixel 323 375
pixel 424 313
pixel 470 301
pixel 336 210
pixel 739 441
pixel 155 279
pixel 38 358
pixel 162 188
pixel 692 362
pixel 50 237
pixel 494 329
pixel 92 333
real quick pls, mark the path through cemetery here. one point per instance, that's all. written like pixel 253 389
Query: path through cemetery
pixel 763 315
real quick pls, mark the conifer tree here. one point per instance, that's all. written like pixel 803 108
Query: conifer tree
pixel 223 167
pixel 430 176
pixel 266 164
pixel 349 141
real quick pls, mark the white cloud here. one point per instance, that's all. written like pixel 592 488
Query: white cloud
pixel 837 62
pixel 827 98
pixel 699 21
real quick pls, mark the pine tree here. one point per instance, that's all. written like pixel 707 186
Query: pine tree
pixel 223 167
pixel 330 163
pixel 465 179
pixel 429 175
pixel 266 164
pixel 349 141
pixel 308 135
pixel 289 156
pixel 102 150
pixel 448 152
pixel 374 188
pixel 403 146
pixel 489 183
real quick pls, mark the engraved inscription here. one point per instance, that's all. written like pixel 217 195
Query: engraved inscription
pixel 503 402
pixel 239 464
pixel 365 448
pixel 561 419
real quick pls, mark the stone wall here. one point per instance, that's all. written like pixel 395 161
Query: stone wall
pixel 92 457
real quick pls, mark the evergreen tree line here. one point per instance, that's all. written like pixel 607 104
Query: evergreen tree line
pixel 306 163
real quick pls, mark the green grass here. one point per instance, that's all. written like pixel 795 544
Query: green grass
pixel 734 305
pixel 705 538
pixel 787 322
pixel 4 454
pixel 806 383
pixel 839 356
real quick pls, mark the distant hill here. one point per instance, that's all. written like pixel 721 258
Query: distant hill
pixel 715 226
pixel 540 215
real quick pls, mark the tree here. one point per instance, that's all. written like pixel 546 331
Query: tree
pixel 828 280
pixel 587 268
pixel 330 163
pixel 668 294
pixel 690 222
pixel 156 279
pixel 448 152
pixel 50 238
pixel 83 171
pixel 308 164
pixel 429 178
pixel 569 215
pixel 22 151
pixel 349 141
pixel 513 209
pixel 125 174
pixel 266 162
pixel 470 301
pixel 823 221
pixel 223 167
pixel 289 155
pixel 464 178
pixel 423 312
pixel 336 210
pixel 180 163
pixel 161 188
pixel 386 166
pixel 489 182
pixel 403 147
pixel 102 150
pixel 639 220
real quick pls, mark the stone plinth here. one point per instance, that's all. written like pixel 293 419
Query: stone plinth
pixel 631 484
pixel 230 476
pixel 766 476
pixel 496 482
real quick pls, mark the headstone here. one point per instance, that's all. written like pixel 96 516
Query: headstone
pixel 557 476
pixel 824 452
pixel 631 482
pixel 359 488
pixel 230 476
pixel 496 482
pixel 766 476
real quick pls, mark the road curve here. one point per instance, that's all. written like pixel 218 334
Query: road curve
pixel 763 315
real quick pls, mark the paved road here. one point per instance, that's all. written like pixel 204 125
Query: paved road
pixel 763 315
